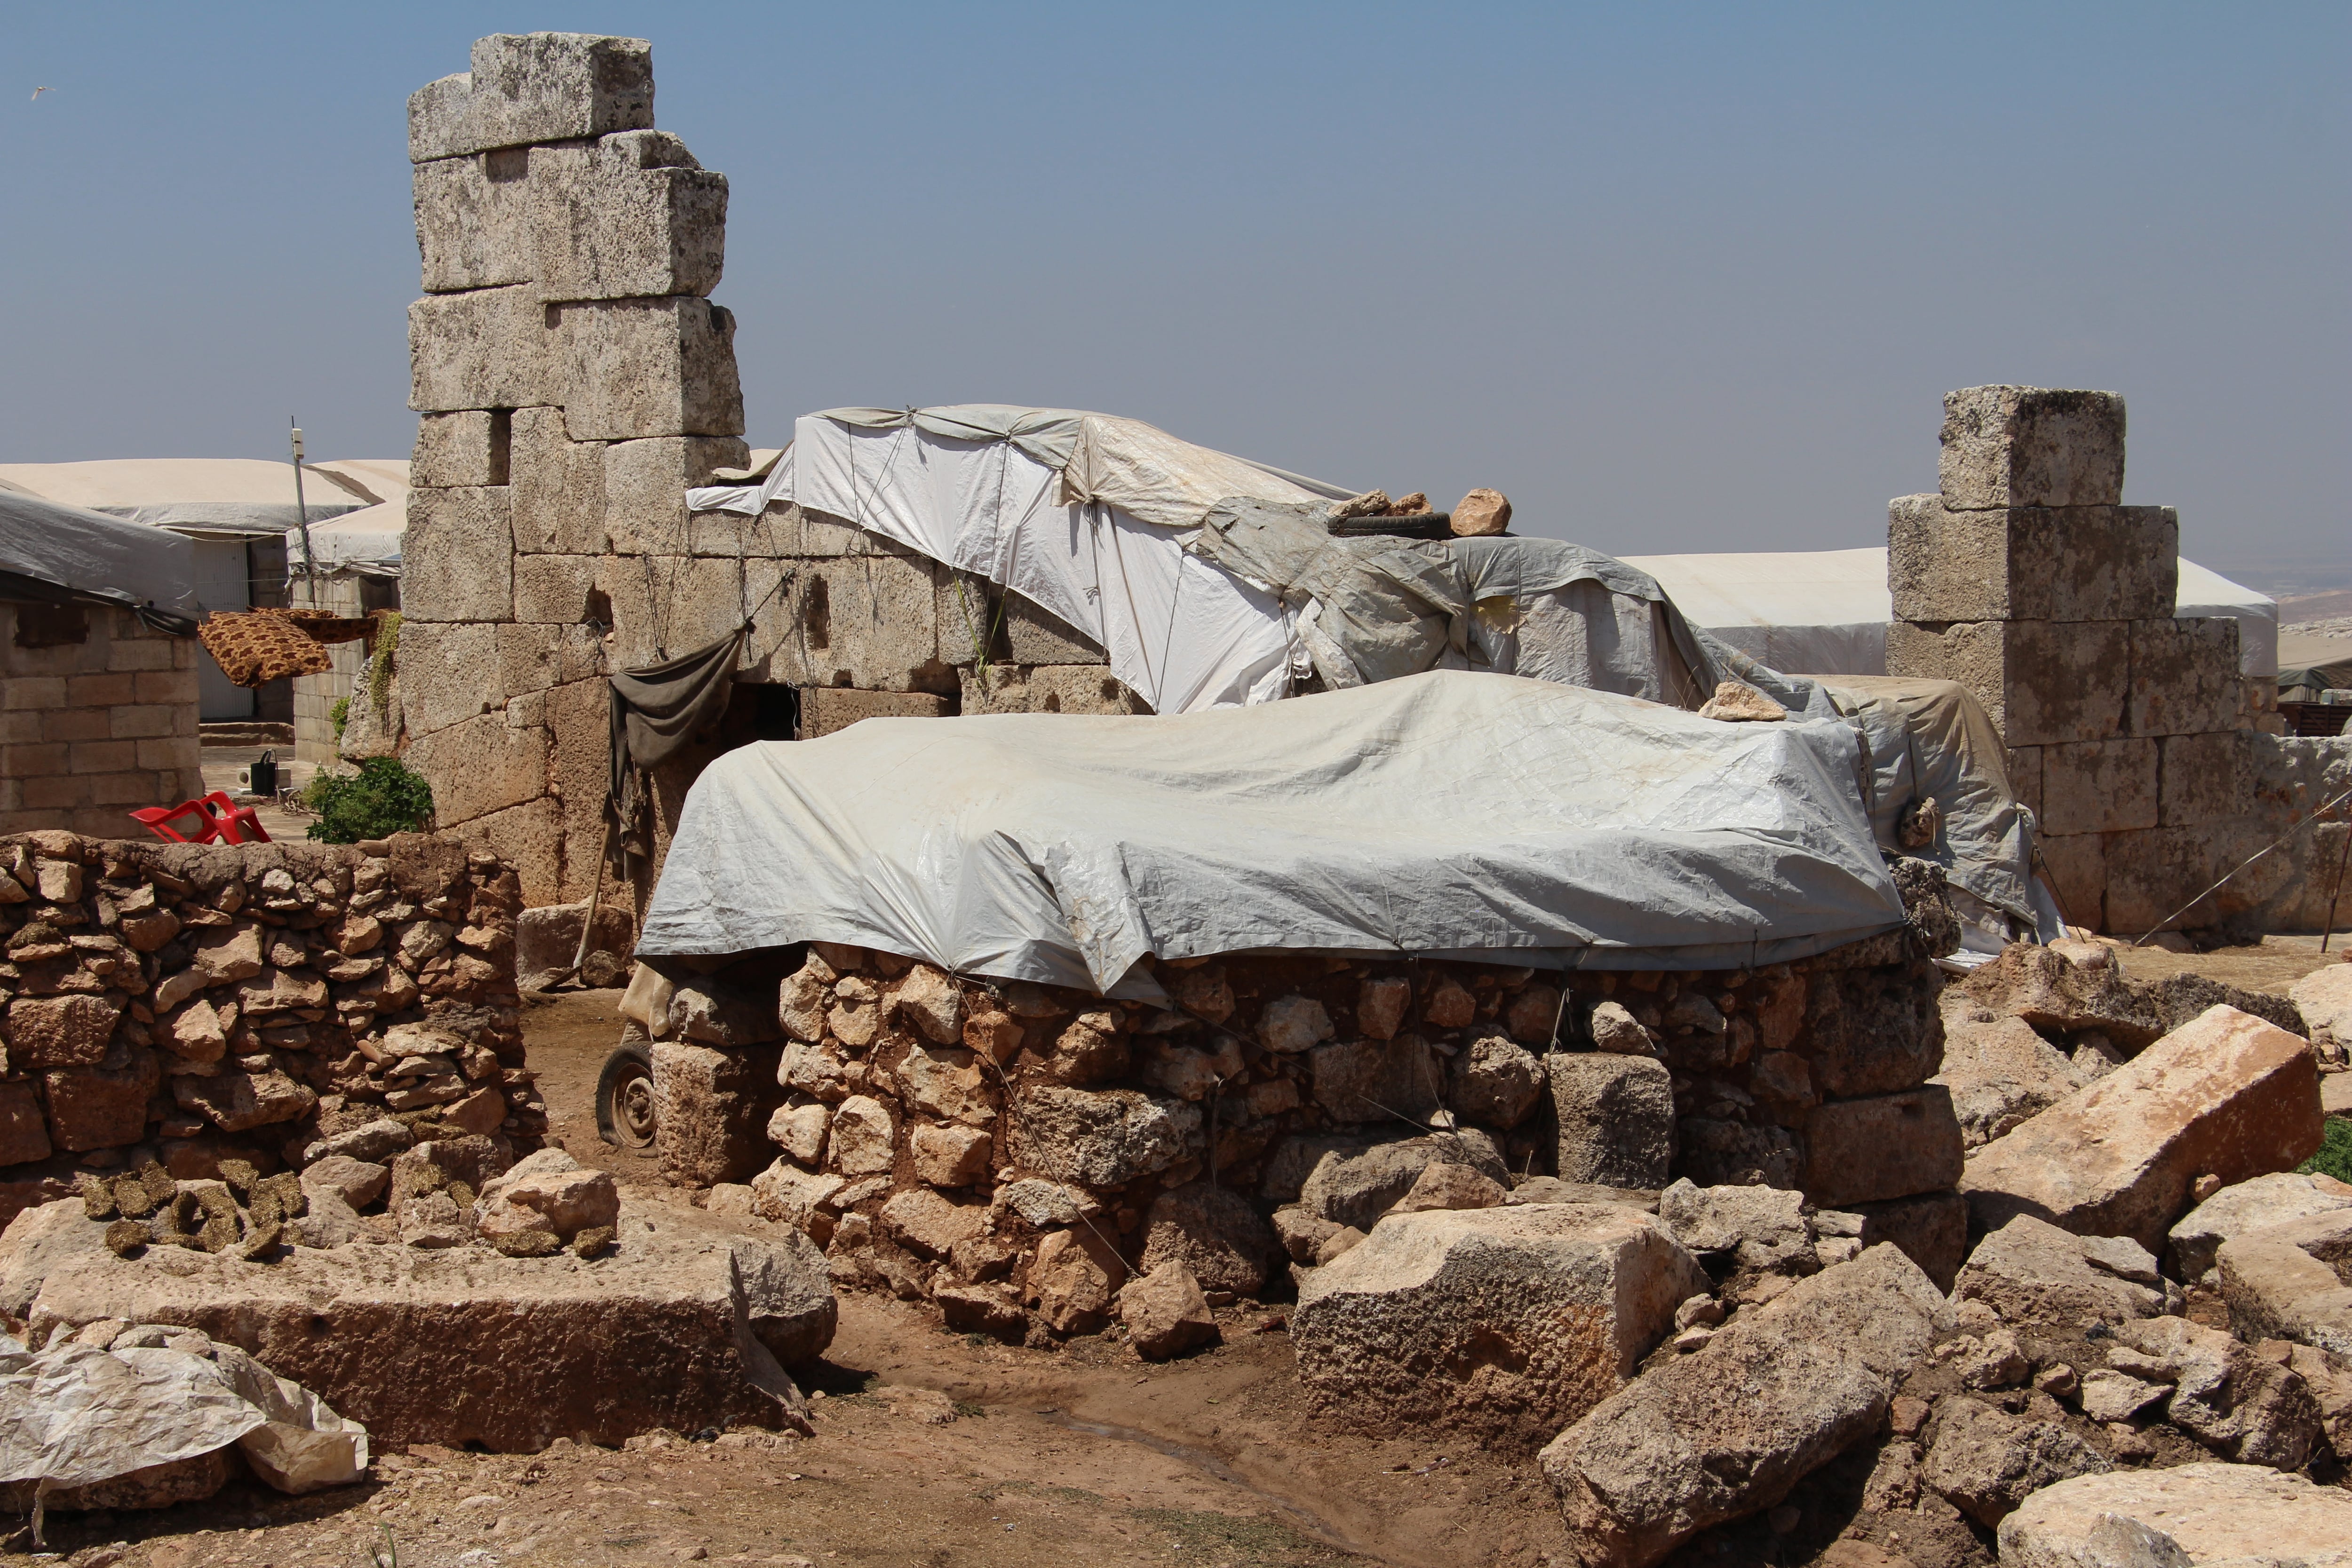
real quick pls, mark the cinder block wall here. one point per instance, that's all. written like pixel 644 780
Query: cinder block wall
pixel 93 726
pixel 2129 733
pixel 575 380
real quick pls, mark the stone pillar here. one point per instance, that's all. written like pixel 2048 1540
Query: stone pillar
pixel 574 379
pixel 2026 579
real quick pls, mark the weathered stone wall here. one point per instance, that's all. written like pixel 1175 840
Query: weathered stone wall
pixel 2129 733
pixel 191 1002
pixel 98 717
pixel 932 1130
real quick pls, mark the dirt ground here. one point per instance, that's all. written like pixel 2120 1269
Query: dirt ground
pixel 930 1448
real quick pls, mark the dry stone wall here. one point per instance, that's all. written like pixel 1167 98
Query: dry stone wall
pixel 2130 733
pixel 1015 1151
pixel 192 1004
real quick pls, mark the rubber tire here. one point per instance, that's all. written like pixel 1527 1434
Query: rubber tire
pixel 631 1058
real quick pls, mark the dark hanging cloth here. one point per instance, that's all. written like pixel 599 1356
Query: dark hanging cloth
pixel 658 708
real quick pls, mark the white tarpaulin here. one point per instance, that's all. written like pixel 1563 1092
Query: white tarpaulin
pixel 1447 814
pixel 367 541
pixel 1824 612
pixel 220 497
pixel 1081 513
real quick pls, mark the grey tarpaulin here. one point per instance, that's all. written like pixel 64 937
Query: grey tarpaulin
pixel 54 552
pixel 1446 813
pixel 658 709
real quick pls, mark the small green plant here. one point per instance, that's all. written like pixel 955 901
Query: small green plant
pixel 384 797
pixel 340 714
pixel 2334 1156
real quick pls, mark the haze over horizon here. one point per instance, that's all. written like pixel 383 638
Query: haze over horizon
pixel 1675 279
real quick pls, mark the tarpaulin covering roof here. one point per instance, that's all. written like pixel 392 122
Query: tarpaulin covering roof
pixel 1446 813
pixel 367 541
pixel 1824 612
pixel 58 551
pixel 2310 664
pixel 220 496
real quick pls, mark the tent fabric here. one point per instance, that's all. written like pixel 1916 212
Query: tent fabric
pixel 1447 814
pixel 658 709
pixel 367 541
pixel 2310 664
pixel 220 497
pixel 1183 634
pixel 97 559
pixel 1824 612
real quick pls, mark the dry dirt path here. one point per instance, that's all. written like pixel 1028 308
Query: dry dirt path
pixel 930 1448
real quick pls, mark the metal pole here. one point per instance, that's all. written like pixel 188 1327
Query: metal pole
pixel 2342 860
pixel 303 521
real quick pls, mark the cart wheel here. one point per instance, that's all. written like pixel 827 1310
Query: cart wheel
pixel 625 1097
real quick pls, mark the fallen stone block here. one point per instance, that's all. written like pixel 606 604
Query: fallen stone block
pixel 1216 1234
pixel 2029 1271
pixel 547 1191
pixel 2280 1198
pixel 711 1111
pixel 2324 998
pixel 1353 1186
pixel 2292 1281
pixel 2226 1095
pixel 1496 1082
pixel 1932 1229
pixel 1450 1186
pixel 548 939
pixel 1888 1146
pixel 1738 1233
pixel 1614 1117
pixel 1985 1462
pixel 682 1323
pixel 1165 1313
pixel 2003 1074
pixel 1505 1321
pixel 2243 1407
pixel 2188 1514
pixel 1727 1430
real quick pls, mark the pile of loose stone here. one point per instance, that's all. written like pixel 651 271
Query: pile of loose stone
pixel 213 1010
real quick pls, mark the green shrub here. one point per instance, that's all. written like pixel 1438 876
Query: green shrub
pixel 2334 1156
pixel 340 714
pixel 384 797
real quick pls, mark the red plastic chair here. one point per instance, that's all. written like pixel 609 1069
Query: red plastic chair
pixel 214 819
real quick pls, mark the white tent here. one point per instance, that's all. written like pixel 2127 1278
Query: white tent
pixel 367 541
pixel 201 497
pixel 1824 612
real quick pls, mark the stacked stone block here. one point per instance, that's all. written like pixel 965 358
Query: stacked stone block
pixel 573 380
pixel 1015 1150
pixel 97 718
pixel 188 1003
pixel 2026 579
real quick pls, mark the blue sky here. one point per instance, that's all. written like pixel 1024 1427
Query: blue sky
pixel 1674 278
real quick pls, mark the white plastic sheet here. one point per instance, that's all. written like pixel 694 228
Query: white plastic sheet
pixel 1446 814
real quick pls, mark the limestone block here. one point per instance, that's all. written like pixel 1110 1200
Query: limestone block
pixel 2225 1095
pixel 1614 1115
pixel 2153 873
pixel 1047 688
pixel 2185 677
pixel 2077 869
pixel 480 766
pixel 1931 1228
pixel 473 221
pixel 1511 1321
pixel 666 605
pixel 826 709
pixel 646 484
pixel 457 559
pixel 629 369
pixel 2032 1272
pixel 630 215
pixel 2026 446
pixel 1347 1182
pixel 467 446
pixel 558 486
pixel 712 1113
pixel 2031 563
pixel 1102 1138
pixel 2203 778
pixel 1036 635
pixel 2285 1282
pixel 534 87
pixel 866 622
pixel 531 838
pixel 2099 787
pixel 1888 1146
pixel 2023 766
pixel 532 658
pixel 105 1108
pixel 1377 1080
pixel 24 1132
pixel 487 348
pixel 553 589
pixel 2190 1514
pixel 2040 681
pixel 2277 1199
pixel 1726 1432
